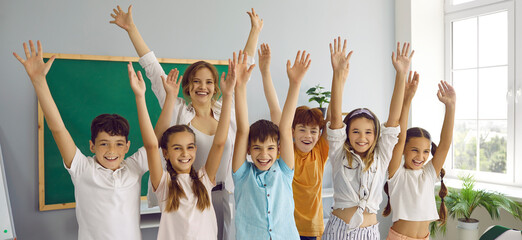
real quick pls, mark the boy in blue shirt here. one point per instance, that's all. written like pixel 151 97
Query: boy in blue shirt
pixel 263 187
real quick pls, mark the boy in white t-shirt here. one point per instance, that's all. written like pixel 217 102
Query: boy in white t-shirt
pixel 107 189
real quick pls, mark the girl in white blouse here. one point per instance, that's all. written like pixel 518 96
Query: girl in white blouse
pixel 360 150
pixel 411 184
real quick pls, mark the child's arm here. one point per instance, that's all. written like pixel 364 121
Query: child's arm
pixel 296 74
pixel 218 145
pixel 241 142
pixel 257 25
pixel 341 68
pixel 150 142
pixel 171 86
pixel 409 92
pixel 268 86
pixel 401 63
pixel 446 95
pixel 124 20
pixel 327 119
pixel 37 70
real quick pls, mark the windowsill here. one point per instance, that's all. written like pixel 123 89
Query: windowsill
pixel 512 192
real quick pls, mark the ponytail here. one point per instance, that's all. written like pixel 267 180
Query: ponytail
pixel 175 190
pixel 433 148
pixel 443 212
pixel 199 190
pixel 387 209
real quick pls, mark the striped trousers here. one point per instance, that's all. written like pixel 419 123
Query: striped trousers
pixel 337 229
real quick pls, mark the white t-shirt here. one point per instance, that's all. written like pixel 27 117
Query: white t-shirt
pixel 107 201
pixel 412 194
pixel 188 222
pixel 353 186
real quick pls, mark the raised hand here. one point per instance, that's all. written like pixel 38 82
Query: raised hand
pixel 257 23
pixel 298 70
pixel 340 60
pixel 402 59
pixel 136 82
pixel 264 57
pixel 172 82
pixel 411 86
pixel 242 70
pixel 446 94
pixel 121 18
pixel 34 64
pixel 228 85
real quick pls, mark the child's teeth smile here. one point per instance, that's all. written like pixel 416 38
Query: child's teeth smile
pixel 263 161
pixel 111 158
pixel 184 160
pixel 201 93
pixel 417 163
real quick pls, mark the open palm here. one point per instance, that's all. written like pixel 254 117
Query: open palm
pixel 340 61
pixel 446 93
pixel 171 83
pixel 402 59
pixel 121 18
pixel 34 64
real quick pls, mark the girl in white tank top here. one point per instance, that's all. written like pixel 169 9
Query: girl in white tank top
pixel 411 181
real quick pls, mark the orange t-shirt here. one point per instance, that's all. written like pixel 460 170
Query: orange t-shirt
pixel 307 187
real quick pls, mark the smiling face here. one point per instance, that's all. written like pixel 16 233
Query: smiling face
pixel 264 154
pixel 202 86
pixel 361 134
pixel 305 137
pixel 416 152
pixel 180 151
pixel 109 150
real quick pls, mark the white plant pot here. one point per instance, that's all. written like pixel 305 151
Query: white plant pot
pixel 468 230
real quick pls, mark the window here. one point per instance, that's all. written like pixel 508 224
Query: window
pixel 480 63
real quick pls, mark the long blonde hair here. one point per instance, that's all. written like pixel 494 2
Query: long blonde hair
pixel 356 114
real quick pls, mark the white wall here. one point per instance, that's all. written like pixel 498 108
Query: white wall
pixel 198 29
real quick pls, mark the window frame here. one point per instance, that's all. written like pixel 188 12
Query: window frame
pixel 449 7
pixel 475 9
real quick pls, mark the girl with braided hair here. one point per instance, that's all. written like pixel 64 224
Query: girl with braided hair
pixel 410 184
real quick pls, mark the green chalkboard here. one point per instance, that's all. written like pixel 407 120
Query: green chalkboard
pixel 83 87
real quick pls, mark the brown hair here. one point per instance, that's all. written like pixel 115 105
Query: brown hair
pixel 356 114
pixel 175 190
pixel 261 130
pixel 308 117
pixel 189 74
pixel 113 124
pixel 443 212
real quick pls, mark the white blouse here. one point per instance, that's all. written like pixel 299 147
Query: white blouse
pixel 352 186
pixel 412 195
pixel 183 114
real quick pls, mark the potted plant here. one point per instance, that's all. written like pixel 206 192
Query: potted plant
pixel 461 204
pixel 318 94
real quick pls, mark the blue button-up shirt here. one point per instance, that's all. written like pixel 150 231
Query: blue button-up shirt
pixel 264 202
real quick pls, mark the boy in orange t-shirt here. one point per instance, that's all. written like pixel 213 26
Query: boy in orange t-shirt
pixel 310 154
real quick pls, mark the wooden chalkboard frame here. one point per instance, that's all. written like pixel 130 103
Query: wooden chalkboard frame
pixel 41 140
